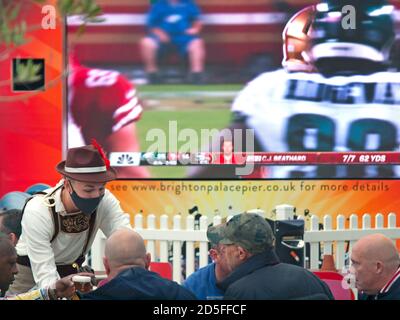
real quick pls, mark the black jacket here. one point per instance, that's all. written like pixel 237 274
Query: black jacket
pixel 139 284
pixel 392 294
pixel 263 277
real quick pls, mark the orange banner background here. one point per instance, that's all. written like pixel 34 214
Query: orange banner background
pixel 31 122
pixel 321 197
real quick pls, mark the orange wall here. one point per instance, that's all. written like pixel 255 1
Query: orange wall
pixel 31 122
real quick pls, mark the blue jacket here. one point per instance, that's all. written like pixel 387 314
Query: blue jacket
pixel 173 19
pixel 139 284
pixel 204 284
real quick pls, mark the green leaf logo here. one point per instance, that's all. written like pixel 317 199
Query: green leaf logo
pixel 27 72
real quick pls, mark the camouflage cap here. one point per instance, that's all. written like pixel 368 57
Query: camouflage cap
pixel 249 230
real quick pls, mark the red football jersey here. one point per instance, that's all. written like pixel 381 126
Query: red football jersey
pixel 101 102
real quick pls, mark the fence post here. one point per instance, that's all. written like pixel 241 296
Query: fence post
pixel 164 244
pixel 203 260
pixel 379 223
pixel 138 221
pixel 366 221
pixel 176 257
pixel 353 226
pixel 392 223
pixel 340 245
pixel 392 220
pixel 327 227
pixel 189 247
pixel 151 225
pixel 314 246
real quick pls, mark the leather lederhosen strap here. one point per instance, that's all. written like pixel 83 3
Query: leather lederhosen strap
pixel 62 269
pixel 65 269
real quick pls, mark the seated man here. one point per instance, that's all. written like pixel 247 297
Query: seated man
pixel 256 272
pixel 63 288
pixel 10 224
pixel 203 283
pixel 126 263
pixel 376 267
pixel 175 22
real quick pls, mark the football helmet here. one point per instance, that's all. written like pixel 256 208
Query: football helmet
pixel 296 41
pixel 354 30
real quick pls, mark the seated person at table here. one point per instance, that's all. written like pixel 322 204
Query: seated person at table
pixel 376 267
pixel 127 263
pixel 256 273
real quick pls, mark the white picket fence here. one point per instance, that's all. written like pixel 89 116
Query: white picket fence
pixel 163 239
pixel 341 236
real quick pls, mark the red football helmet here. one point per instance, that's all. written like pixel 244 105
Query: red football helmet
pixel 296 41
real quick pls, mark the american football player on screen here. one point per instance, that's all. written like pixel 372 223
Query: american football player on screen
pixel 103 105
pixel 337 92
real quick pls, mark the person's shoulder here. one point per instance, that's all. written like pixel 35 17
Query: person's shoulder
pixel 36 202
pixel 378 77
pixel 171 288
pixel 385 76
pixel 295 269
pixel 202 272
pixel 269 78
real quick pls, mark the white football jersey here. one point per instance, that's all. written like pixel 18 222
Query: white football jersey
pixel 307 112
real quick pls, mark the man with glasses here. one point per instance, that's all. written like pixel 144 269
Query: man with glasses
pixel 256 273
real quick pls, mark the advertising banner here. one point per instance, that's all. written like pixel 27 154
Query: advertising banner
pixel 227 197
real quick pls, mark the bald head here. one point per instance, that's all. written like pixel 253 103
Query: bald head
pixel 377 247
pixel 125 248
pixel 375 260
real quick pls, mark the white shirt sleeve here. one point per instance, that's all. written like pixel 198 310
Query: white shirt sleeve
pixel 114 217
pixel 38 229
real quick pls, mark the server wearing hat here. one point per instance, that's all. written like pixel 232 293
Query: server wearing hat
pixel 60 223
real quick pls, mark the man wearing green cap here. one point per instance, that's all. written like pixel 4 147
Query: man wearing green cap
pixel 248 244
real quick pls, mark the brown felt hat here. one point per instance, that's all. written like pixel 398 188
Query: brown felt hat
pixel 87 164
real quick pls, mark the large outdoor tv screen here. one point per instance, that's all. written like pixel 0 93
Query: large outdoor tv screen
pixel 232 99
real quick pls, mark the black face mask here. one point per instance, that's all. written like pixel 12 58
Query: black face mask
pixel 86 205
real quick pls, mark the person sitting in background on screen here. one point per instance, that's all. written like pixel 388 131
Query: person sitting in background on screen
pixel 175 22
pixel 255 272
pixel 63 288
pixel 126 263
pixel 376 268
pixel 104 105
pixel 10 224
pixel 204 282
pixel 59 226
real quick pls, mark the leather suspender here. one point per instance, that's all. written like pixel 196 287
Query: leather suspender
pixel 91 227
pixel 56 221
